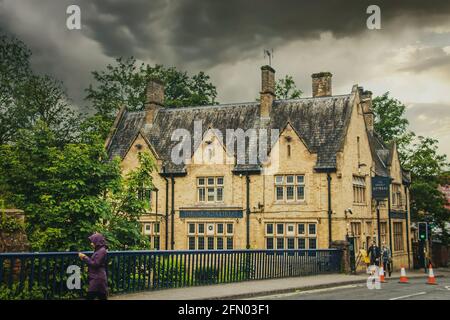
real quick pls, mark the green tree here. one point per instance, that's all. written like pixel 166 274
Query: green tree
pixel 121 225
pixel 287 89
pixel 60 188
pixel 26 98
pixel 418 154
pixel 427 168
pixel 391 123
pixel 124 84
pixel 14 71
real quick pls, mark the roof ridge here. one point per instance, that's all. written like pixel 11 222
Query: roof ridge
pixel 211 106
pixel 311 98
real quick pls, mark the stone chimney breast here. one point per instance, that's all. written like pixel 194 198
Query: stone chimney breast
pixel 321 84
pixel 154 99
pixel 267 90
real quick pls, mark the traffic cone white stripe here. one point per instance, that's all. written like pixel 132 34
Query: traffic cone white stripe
pixel 403 278
pixel 431 278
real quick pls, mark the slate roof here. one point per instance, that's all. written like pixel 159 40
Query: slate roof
pixel 320 122
pixel 382 155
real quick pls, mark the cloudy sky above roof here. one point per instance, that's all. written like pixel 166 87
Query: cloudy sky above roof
pixel 409 56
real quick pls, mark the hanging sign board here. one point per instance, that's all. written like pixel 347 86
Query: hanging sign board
pixel 380 187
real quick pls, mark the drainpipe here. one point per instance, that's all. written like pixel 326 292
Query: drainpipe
pixel 389 217
pixel 329 210
pixel 156 205
pixel 172 213
pixel 247 182
pixel 166 236
pixel 407 227
pixel 379 224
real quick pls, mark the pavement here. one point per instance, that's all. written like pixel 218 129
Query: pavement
pixel 294 288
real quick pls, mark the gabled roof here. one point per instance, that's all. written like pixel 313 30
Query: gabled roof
pixel 382 155
pixel 320 122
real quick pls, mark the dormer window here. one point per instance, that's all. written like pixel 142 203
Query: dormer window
pixel 210 189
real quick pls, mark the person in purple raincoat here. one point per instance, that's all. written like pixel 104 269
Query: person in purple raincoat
pixel 96 268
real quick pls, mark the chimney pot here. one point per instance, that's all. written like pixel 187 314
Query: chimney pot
pixel 321 84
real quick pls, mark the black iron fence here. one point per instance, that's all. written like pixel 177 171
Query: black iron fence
pixel 53 275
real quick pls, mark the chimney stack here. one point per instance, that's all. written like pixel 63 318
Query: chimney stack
pixel 365 98
pixel 267 90
pixel 321 84
pixel 154 99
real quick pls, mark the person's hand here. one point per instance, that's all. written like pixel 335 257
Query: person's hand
pixel 81 255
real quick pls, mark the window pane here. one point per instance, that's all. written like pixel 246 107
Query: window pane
pixel 280 228
pixel 210 181
pixel 156 228
pixel 201 243
pixel 278 179
pixel 312 243
pixel 300 193
pixel 201 228
pixel 291 243
pixel 156 243
pixel 312 228
pixel 219 194
pixel 229 228
pixel 301 243
pixel 201 194
pixel 280 194
pixel 230 243
pixel 191 243
pixel 210 194
pixel 280 243
pixel 191 228
pixel 290 179
pixel 269 243
pixel 220 228
pixel 290 193
pixel 219 243
pixel 210 243
pixel 290 228
pixel 220 181
pixel 269 228
pixel 300 179
pixel 301 228
pixel 201 181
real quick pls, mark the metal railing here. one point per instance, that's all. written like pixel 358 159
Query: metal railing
pixel 44 275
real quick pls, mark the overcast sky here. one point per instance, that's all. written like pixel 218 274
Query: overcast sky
pixel 409 56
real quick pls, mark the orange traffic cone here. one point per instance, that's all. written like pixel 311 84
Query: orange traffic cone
pixel 431 279
pixel 403 278
pixel 381 274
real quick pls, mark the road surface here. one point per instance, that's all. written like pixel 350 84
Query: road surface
pixel 416 289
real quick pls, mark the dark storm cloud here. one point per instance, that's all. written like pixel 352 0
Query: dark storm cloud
pixel 209 31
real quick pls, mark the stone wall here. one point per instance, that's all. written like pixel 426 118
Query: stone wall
pixel 13 241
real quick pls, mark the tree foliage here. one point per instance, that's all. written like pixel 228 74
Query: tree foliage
pixel 26 98
pixel 124 84
pixel 59 188
pixel 421 156
pixel 121 225
pixel 391 123
pixel 286 88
